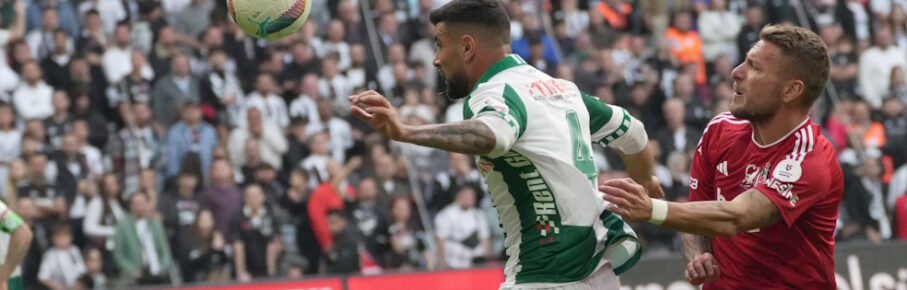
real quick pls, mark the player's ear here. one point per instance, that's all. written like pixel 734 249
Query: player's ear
pixel 468 47
pixel 792 91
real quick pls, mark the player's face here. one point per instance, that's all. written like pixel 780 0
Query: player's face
pixel 757 93
pixel 450 62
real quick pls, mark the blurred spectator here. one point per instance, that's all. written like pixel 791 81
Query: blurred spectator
pixel 844 63
pixel 139 145
pixel 272 107
pixel 222 197
pixel 93 38
pixel 93 156
pixel 408 247
pixel 135 86
pixel 461 230
pixel 60 122
pixel 685 44
pixel 200 250
pixel 117 58
pixel 295 202
pixel 719 29
pixel 338 130
pixel 174 89
pixel 256 242
pixel 304 104
pixel 41 41
pixel 190 142
pixel 102 216
pixel 331 194
pixel 10 142
pixel 193 18
pixel 221 90
pixel 335 43
pixel 180 206
pixel 876 64
pixel 316 162
pixel 271 142
pixel 141 251
pixel 93 265
pixel 33 98
pixel 333 85
pixel 677 136
pixel 343 254
pixel 369 215
pixel 303 62
pixel 459 173
pixel 114 12
pixel 56 63
pixel 47 196
pixel 71 167
pixel 62 264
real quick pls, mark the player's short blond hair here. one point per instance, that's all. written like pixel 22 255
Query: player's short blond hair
pixel 806 57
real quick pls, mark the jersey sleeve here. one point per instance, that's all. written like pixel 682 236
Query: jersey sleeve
pixel 500 108
pixel 797 183
pixel 9 220
pixel 612 126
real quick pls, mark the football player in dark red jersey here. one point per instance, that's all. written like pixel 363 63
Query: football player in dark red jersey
pixel 765 184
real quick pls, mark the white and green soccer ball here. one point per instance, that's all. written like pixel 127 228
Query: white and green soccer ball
pixel 269 19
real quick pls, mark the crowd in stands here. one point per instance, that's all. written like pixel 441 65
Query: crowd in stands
pixel 153 142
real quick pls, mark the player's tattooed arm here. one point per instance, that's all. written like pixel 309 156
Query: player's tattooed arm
pixel 693 245
pixel 469 137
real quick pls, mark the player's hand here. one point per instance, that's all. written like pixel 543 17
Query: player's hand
pixel 628 199
pixel 703 268
pixel 653 188
pixel 374 109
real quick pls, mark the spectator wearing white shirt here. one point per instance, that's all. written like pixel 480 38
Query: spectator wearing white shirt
pixel 32 99
pixel 334 85
pixel 272 107
pixel 113 11
pixel 395 54
pixel 336 44
pixel 304 105
pixel 876 64
pixel 117 59
pixel 271 142
pixel 718 28
pixel 41 41
pixel 462 232
pixel 62 264
pixel 339 130
pixel 103 212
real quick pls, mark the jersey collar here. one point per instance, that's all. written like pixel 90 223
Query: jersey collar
pixel 499 66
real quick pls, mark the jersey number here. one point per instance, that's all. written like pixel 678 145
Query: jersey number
pixel 582 157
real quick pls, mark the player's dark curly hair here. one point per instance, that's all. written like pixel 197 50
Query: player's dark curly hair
pixel 488 15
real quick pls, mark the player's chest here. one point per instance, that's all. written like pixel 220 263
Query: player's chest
pixel 742 168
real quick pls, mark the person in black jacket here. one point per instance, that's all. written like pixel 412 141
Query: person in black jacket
pixel 200 253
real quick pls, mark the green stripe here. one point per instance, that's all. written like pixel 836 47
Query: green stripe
pixel 11 222
pixel 467 111
pixel 517 108
pixel 624 126
pixel 15 283
pixel 620 259
pixel 599 112
pixel 499 66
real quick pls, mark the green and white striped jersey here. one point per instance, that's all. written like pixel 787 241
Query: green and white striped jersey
pixel 542 178
pixel 9 222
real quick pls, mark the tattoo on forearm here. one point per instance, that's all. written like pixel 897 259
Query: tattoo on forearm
pixel 469 137
pixel 760 201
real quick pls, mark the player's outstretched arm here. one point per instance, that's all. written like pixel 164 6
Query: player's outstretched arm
pixel 641 168
pixel 749 210
pixel 469 137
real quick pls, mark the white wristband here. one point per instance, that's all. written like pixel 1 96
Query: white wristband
pixel 659 211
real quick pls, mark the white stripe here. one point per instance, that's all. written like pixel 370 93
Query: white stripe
pixel 810 147
pixel 796 145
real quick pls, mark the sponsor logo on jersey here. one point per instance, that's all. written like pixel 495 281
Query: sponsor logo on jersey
pixel 543 200
pixel 786 190
pixel 755 175
pixel 722 167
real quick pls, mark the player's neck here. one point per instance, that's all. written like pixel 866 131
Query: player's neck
pixel 777 127
pixel 484 60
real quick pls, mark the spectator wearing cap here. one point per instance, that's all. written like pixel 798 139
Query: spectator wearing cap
pixel 33 97
pixel 191 136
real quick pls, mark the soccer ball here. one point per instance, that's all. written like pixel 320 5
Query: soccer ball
pixel 269 19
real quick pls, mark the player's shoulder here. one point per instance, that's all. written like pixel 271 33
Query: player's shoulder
pixel 727 127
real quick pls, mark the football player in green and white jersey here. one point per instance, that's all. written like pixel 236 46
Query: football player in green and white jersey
pixel 532 136
pixel 14 243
